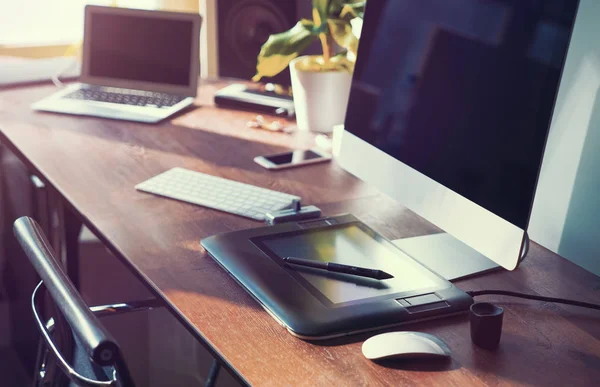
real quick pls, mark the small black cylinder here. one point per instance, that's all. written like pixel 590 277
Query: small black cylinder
pixel 486 325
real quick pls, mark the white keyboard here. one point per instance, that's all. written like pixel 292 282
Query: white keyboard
pixel 218 193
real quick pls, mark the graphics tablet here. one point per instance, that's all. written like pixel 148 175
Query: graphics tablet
pixel 317 304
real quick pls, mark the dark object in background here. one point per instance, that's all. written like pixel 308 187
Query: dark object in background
pixel 245 25
pixel 239 96
pixel 486 325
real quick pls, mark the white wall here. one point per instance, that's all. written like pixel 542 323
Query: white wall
pixel 566 212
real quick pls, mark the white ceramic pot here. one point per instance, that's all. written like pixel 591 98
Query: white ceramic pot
pixel 320 98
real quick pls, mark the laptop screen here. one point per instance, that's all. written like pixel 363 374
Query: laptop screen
pixel 138 48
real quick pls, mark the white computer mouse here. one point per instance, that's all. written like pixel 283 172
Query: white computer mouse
pixel 404 345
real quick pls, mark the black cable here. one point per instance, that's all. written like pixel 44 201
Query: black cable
pixel 213 374
pixel 475 293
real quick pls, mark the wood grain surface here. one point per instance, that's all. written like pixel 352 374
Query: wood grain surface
pixel 95 163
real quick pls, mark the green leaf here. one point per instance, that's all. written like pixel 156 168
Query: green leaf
pixel 341 31
pixel 350 11
pixel 347 9
pixel 277 52
pixel 320 12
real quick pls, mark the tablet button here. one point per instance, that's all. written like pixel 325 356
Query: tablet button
pixel 422 300
pixel 427 307
pixel 403 302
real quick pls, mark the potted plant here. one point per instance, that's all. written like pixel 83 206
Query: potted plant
pixel 320 83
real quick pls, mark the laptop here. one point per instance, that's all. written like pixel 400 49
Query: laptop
pixel 137 65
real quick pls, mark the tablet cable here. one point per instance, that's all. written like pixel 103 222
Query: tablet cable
pixel 475 293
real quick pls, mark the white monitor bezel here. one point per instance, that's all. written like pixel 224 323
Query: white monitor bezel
pixel 482 230
pixel 189 90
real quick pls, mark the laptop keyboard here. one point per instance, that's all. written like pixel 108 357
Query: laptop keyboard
pixel 126 97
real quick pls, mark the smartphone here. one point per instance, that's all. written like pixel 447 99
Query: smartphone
pixel 292 159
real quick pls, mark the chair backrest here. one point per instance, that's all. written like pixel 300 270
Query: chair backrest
pixel 99 345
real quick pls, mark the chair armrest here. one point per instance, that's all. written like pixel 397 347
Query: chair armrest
pixel 96 341
pixel 46 332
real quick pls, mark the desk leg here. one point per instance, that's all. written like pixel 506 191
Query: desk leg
pixel 72 228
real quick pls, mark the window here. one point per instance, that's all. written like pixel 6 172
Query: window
pixel 51 22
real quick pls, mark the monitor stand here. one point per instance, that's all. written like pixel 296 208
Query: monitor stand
pixel 446 255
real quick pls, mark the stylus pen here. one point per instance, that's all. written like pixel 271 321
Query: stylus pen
pixel 339 268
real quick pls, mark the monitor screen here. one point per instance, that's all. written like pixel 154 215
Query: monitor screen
pixel 463 92
pixel 138 48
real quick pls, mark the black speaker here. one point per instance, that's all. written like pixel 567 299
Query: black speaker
pixel 245 25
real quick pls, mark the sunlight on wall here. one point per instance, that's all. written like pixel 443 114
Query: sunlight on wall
pixel 44 29
pixel 39 22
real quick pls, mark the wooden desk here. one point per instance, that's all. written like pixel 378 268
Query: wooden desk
pixel 95 163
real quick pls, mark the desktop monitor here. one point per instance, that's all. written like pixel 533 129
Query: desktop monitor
pixel 450 108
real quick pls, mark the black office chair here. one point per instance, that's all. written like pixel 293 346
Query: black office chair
pixel 74 334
